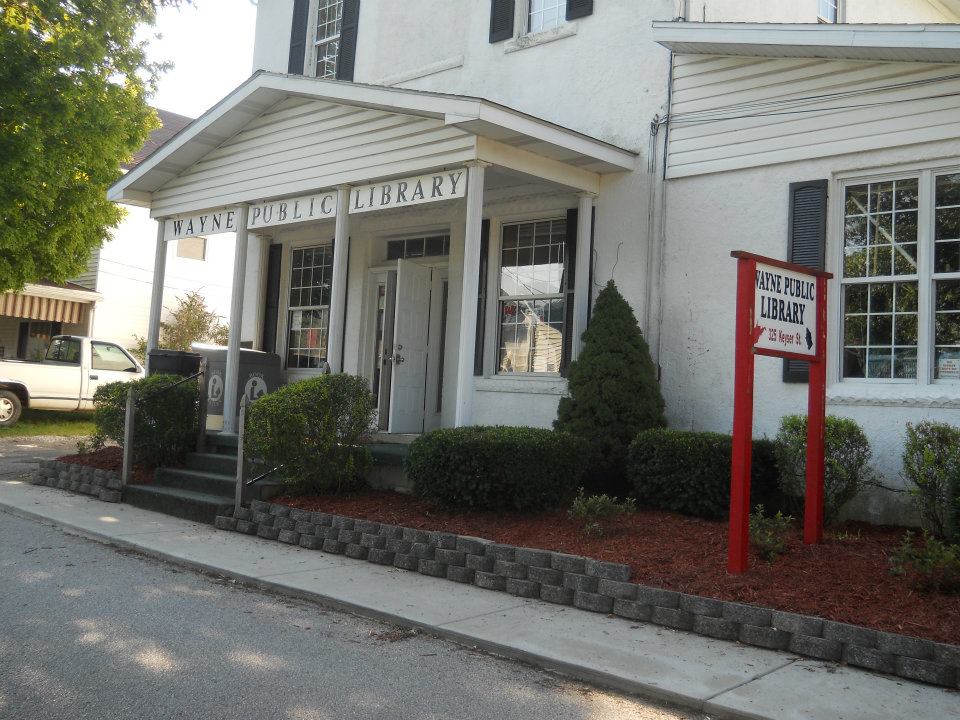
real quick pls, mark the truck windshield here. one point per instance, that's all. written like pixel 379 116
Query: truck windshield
pixel 64 349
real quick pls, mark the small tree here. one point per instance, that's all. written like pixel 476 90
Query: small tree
pixel 190 322
pixel 612 391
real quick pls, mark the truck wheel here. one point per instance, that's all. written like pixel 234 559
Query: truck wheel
pixel 10 408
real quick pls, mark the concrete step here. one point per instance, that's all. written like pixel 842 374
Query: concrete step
pixel 211 483
pixel 212 462
pixel 392 454
pixel 222 443
pixel 187 504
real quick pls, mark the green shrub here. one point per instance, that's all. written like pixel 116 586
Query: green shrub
pixel 497 468
pixel 769 534
pixel 165 418
pixel 846 465
pixel 931 465
pixel 312 430
pixel 613 391
pixel 935 566
pixel 594 510
pixel 689 472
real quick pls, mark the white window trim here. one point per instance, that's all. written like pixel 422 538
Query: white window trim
pixel 310 59
pixel 841 14
pixel 924 391
pixel 522 39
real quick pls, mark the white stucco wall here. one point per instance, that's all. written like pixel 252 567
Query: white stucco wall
pixel 707 217
pixel 271 49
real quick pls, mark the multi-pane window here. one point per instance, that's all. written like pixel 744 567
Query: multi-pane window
pixel 828 10
pixel 414 247
pixel 532 306
pixel 309 309
pixel 546 14
pixel 901 279
pixel 326 42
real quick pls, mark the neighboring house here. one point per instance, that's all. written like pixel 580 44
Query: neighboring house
pixel 430 194
pixel 111 299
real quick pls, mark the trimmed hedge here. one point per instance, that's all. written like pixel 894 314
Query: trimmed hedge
pixel 165 418
pixel 689 473
pixel 931 464
pixel 312 430
pixel 497 468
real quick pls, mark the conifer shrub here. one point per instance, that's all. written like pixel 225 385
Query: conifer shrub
pixel 612 391
pixel 689 473
pixel 312 431
pixel 496 468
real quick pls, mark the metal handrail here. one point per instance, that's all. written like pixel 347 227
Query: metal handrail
pixel 261 476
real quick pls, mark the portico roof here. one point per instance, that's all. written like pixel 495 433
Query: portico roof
pixel 890 43
pixel 499 131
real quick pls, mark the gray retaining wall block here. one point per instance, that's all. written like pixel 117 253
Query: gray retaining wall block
pixel 285 523
pixel 311 542
pixel 947 654
pixel 479 562
pixel 460 574
pixel 750 614
pixel 710 607
pixel 522 588
pixel 114 496
pixel 849 634
pixel 280 511
pixel 305 527
pixel 766 637
pixel 902 645
pixel 406 562
pixel 442 540
pixel 533 558
pixel 508 569
pixel 86 488
pixel 373 541
pixel 342 523
pixel 357 552
pixel 299 515
pixel 381 556
pixel 545 576
pixel 291 537
pixel 244 514
pixel 926 671
pixel 268 532
pixel 658 597
pixel 349 537
pixel 225 523
pixel 423 551
pixel 472 545
pixel 333 546
pixel 450 557
pixel 499 551
pixel 869 658
pixel 556 594
pixel 716 627
pixel 632 610
pixel 262 518
pixel 815 647
pixel 367 526
pixel 321 518
pixel 672 617
pixel 328 532
pixel 594 602
pixel 608 570
pixel 247 527
pixel 617 590
pixel 580 583
pixel 391 532
pixel 416 536
pixel 433 568
pixel 489 581
pixel 797 624
pixel 114 482
pixel 399 546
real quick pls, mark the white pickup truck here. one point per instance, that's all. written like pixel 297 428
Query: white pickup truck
pixel 66 378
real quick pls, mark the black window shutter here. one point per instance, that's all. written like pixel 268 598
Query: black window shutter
pixel 298 36
pixel 579 8
pixel 501 20
pixel 806 245
pixel 271 301
pixel 482 297
pixel 570 271
pixel 347 55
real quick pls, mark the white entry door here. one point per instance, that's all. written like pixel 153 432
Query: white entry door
pixel 411 331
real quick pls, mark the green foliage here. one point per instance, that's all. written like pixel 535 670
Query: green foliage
pixel 497 468
pixel 931 464
pixel 312 430
pixel 87 445
pixel 191 321
pixel 846 465
pixel 932 567
pixel 165 418
pixel 613 391
pixel 594 510
pixel 769 534
pixel 74 84
pixel 689 472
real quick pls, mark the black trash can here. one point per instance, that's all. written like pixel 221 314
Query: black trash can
pixel 173 362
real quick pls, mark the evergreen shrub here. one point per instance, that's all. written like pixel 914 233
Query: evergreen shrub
pixel 931 466
pixel 165 417
pixel 846 461
pixel 312 431
pixel 612 391
pixel 497 468
pixel 689 472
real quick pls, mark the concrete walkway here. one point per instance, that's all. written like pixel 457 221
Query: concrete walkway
pixel 719 678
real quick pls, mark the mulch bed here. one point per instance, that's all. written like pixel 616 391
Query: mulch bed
pixel 846 578
pixel 110 458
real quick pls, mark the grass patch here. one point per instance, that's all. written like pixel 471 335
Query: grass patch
pixel 50 422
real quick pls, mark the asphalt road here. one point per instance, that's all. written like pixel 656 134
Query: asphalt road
pixel 88 631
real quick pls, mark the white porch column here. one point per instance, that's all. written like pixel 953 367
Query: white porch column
pixel 581 293
pixel 468 304
pixel 156 297
pixel 338 290
pixel 232 370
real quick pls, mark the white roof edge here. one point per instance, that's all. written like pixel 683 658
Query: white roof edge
pixel 453 109
pixel 930 37
pixel 61 293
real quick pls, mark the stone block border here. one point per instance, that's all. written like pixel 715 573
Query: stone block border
pixel 102 484
pixel 593 585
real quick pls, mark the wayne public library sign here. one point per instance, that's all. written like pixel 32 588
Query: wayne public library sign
pixel 405 192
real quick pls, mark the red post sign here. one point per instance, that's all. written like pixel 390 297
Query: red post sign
pixel 781 312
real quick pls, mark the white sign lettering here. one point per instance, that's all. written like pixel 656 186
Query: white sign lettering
pixel 785 311
pixel 409 191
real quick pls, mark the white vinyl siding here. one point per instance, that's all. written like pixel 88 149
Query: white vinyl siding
pixel 737 112
pixel 301 145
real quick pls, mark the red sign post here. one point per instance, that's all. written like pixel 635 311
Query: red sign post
pixel 781 312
